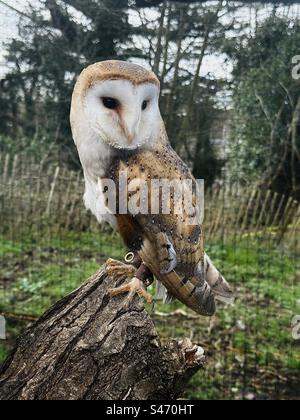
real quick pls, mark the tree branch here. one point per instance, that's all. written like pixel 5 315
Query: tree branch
pixel 87 347
pixel 14 9
pixel 154 3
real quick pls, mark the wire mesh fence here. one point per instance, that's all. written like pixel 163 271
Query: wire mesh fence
pixel 44 195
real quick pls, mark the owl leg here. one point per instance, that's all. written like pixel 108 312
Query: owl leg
pixel 141 279
pixel 134 287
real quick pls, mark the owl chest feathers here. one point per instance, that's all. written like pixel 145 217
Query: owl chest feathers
pixel 102 163
pixel 96 158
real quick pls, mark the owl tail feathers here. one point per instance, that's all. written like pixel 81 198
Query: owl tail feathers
pixel 206 304
pixel 199 297
pixel 220 287
pixel 224 294
pixel 163 294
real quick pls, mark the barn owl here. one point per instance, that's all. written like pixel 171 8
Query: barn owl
pixel 117 128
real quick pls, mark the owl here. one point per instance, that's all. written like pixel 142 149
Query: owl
pixel 123 146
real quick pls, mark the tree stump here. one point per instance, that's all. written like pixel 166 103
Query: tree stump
pixel 88 347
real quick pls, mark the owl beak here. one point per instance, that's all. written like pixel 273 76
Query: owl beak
pixel 130 137
pixel 131 127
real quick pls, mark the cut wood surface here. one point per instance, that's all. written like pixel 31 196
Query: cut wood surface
pixel 88 347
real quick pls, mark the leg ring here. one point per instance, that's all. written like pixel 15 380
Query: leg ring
pixel 129 257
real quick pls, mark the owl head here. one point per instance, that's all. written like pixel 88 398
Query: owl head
pixel 116 102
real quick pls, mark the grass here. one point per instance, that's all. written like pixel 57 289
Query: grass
pixel 249 346
pixel 35 274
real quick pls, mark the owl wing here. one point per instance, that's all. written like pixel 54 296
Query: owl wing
pixel 164 220
pixel 168 243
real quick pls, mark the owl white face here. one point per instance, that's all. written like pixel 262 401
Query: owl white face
pixel 124 115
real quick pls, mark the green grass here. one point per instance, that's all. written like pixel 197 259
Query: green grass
pixel 249 346
pixel 34 274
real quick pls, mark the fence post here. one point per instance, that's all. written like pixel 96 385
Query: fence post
pixel 52 191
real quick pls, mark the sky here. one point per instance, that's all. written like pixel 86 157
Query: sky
pixel 8 30
pixel 8 27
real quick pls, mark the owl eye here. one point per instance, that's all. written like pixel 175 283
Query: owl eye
pixel 144 105
pixel 110 103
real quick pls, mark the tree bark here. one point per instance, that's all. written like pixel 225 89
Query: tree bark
pixel 88 347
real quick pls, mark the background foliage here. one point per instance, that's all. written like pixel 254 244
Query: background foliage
pixel 58 38
pixel 267 106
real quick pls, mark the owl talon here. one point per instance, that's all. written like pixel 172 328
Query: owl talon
pixel 134 287
pixel 119 269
